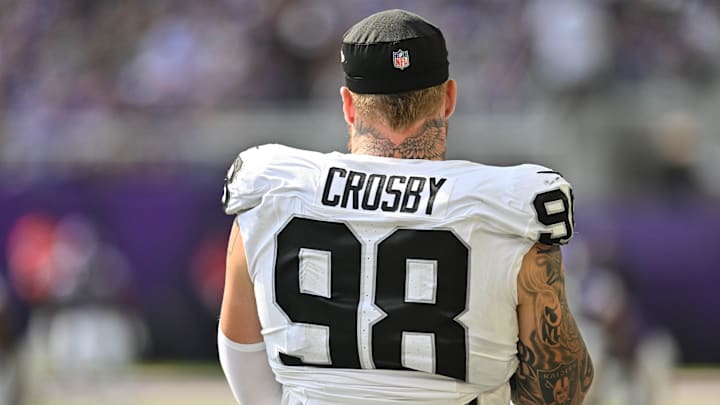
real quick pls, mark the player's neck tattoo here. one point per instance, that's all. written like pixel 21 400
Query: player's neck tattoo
pixel 428 142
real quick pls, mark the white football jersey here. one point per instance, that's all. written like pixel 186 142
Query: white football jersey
pixel 388 281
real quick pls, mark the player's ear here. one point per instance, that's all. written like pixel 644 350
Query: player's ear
pixel 348 107
pixel 450 97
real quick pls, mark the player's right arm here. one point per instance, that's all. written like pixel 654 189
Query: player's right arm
pixel 241 348
pixel 240 344
pixel 555 367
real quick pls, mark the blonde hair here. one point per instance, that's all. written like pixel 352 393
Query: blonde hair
pixel 400 110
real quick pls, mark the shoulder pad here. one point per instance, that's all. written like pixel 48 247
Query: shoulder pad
pixel 244 182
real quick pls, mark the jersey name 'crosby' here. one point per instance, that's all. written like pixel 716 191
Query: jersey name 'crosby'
pixel 373 191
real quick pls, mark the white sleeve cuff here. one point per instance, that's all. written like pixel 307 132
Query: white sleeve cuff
pixel 248 372
pixel 241 347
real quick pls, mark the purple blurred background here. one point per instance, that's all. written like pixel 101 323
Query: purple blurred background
pixel 169 228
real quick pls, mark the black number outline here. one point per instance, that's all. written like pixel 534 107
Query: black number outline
pixel 455 319
pixel 229 178
pixel 297 360
pixel 543 217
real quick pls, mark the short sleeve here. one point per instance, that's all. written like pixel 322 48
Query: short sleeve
pixel 545 200
pixel 246 182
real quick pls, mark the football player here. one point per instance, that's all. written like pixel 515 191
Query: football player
pixel 391 276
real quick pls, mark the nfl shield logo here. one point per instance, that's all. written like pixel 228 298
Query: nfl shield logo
pixel 401 59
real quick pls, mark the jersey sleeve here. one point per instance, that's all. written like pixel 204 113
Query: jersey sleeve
pixel 544 200
pixel 246 181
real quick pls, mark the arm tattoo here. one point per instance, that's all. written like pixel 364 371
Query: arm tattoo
pixel 427 143
pixel 587 372
pixel 555 367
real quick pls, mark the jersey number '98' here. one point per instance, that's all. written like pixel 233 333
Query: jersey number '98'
pixel 338 311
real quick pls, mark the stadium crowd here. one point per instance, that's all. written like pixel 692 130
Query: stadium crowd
pixel 69 68
pixel 62 56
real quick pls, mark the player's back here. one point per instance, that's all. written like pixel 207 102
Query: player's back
pixel 387 280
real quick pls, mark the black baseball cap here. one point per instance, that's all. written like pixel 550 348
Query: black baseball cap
pixel 393 51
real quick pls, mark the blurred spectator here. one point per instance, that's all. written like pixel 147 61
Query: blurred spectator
pixel 184 61
pixel 701 28
pixel 634 357
pixel 29 252
pixel 638 358
pixel 81 331
pixel 207 271
pixel 674 140
pixel 570 41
